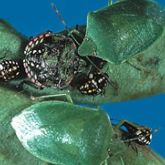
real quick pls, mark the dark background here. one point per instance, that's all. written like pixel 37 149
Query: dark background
pixel 35 16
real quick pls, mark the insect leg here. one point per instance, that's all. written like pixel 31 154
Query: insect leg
pixel 60 97
pixel 110 2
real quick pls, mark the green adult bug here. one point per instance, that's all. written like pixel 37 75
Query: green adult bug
pixel 122 30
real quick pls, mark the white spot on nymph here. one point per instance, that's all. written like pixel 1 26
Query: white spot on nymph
pixel 86 85
pixel 37 42
pixel 142 138
pixel 17 73
pixel 25 52
pixel 43 65
pixel 145 141
pixel 82 87
pixel 14 68
pixel 29 52
pixel 32 64
pixel 41 40
pixel 37 66
pixel 34 51
pixel 35 77
pixel 28 49
pixel 90 76
pixel 2 73
pixel 31 73
pixel 32 45
pixel 138 132
pixel 94 82
pixel 100 80
pixel 1 67
pixel 28 62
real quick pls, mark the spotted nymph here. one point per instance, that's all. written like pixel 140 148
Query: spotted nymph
pixel 93 84
pixel 9 69
pixel 136 133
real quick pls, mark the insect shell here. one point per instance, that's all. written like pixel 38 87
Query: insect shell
pixel 93 84
pixel 50 60
pixel 141 135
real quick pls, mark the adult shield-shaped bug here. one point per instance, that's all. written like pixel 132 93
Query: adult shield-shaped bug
pixel 122 30
pixel 53 130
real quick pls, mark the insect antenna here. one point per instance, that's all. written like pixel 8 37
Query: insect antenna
pixel 110 2
pixel 61 18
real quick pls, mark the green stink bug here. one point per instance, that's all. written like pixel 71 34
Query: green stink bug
pixel 122 30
